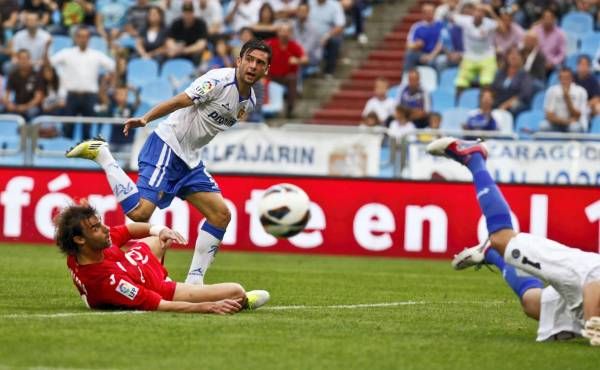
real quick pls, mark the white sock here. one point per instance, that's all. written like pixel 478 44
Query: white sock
pixel 207 246
pixel 121 185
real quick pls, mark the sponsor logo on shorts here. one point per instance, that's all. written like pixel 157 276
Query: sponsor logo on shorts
pixel 515 253
pixel 127 289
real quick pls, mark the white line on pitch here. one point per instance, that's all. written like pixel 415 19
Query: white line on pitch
pixel 67 314
pixel 342 306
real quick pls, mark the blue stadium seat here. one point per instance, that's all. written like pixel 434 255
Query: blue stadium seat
pixel 595 125
pixel 393 92
pixel 469 98
pixel 577 22
pixel 538 100
pixel 98 43
pixel 552 79
pixel 60 42
pixel 590 43
pixel 441 100
pixel 529 122
pixel 453 118
pixel 142 109
pixel 571 61
pixel 155 91
pixel 572 42
pixel 177 68
pixel 447 78
pixel 504 120
pixel 275 104
pixel 140 70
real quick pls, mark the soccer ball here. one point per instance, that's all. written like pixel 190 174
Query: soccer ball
pixel 284 210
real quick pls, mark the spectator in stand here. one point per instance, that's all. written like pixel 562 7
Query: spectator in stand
pixel 585 78
pixel 401 125
pixel 9 14
pixel 435 121
pixel 32 38
pixel 479 59
pixel 43 8
pixel 55 97
pixel 80 68
pixel 308 36
pixel 287 57
pixel 482 119
pixel 379 103
pixel 416 100
pixel 265 28
pixel 552 40
pixel 371 120
pixel 242 13
pixel 136 18
pixel 328 18
pixel 285 9
pixel 75 13
pixel 508 35
pixel 211 12
pixel 121 108
pixel 446 10
pixel 152 41
pixel 585 6
pixel 353 11
pixel 565 105
pixel 424 41
pixel 452 45
pixel 187 36
pixel 530 11
pixel 222 57
pixel 111 17
pixel 534 61
pixel 24 90
pixel 513 86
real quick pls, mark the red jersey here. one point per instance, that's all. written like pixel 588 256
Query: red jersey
pixel 280 65
pixel 134 279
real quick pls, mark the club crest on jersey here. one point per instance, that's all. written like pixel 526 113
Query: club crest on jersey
pixel 127 289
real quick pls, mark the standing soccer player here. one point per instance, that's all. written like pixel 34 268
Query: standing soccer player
pixel 570 305
pixel 169 162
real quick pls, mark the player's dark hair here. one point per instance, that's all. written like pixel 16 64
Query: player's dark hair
pixel 256 44
pixel 68 226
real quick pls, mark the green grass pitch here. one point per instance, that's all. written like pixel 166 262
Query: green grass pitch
pixel 438 319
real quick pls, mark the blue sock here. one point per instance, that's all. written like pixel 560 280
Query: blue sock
pixel 519 284
pixel 492 203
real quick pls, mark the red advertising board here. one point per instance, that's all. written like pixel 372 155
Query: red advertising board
pixel 349 216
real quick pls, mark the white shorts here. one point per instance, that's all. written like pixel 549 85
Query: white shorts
pixel 566 269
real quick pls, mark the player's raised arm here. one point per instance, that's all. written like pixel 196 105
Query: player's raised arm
pixel 223 307
pixel 138 230
pixel 179 101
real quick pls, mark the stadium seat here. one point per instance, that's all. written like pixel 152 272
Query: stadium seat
pixel 441 100
pixel 155 91
pixel 589 43
pixel 140 70
pixel 142 109
pixel 577 22
pixel 529 122
pixel 99 43
pixel 572 43
pixel 428 77
pixel 504 120
pixel 393 92
pixel 453 118
pixel 469 98
pixel 595 125
pixel 552 79
pixel 571 61
pixel 274 104
pixel 177 69
pixel 447 78
pixel 60 42
pixel 538 100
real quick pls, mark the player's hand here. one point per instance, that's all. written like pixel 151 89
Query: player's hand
pixel 225 307
pixel 168 237
pixel 133 123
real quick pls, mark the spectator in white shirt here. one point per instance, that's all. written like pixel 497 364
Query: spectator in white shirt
pixel 285 9
pixel 33 39
pixel 242 13
pixel 401 125
pixel 80 69
pixel 565 105
pixel 211 12
pixel 380 104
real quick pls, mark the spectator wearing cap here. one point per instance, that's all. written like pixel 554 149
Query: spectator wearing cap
pixel 187 37
pixel 552 40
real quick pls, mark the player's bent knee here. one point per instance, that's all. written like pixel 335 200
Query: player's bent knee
pixel 235 291
pixel 141 214
pixel 220 219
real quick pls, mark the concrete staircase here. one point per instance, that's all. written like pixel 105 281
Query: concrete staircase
pixel 341 100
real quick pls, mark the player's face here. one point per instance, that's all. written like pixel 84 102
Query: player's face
pixel 96 233
pixel 253 66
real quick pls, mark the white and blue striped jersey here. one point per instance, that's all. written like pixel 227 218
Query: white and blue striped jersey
pixel 217 106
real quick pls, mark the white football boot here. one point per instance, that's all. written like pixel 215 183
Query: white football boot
pixel 256 299
pixel 473 256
